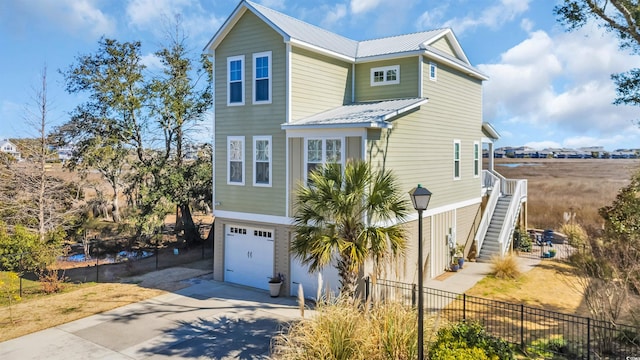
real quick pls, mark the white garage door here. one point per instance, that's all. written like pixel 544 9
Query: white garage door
pixel 248 256
pixel 300 275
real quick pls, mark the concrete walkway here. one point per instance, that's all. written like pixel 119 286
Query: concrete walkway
pixel 207 320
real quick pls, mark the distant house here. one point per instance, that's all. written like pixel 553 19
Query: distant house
pixel 10 148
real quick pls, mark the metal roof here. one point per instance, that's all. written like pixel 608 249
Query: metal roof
pixel 375 114
pixel 398 44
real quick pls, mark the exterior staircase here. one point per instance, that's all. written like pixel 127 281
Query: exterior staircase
pixel 491 244
pixel 500 216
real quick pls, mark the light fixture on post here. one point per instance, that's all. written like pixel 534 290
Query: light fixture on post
pixel 420 198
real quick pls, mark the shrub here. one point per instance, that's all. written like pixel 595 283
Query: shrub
pixel 576 235
pixel 344 329
pixel 50 281
pixel 506 267
pixel 468 340
pixel 551 348
pixel 521 240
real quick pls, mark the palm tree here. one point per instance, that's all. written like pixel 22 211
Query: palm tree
pixel 351 215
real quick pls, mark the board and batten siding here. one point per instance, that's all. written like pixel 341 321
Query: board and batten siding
pixel 407 88
pixel 251 35
pixel 319 83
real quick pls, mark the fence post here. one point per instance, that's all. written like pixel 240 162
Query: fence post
pixel 522 345
pixel 413 294
pixel 97 264
pixel 366 288
pixel 21 273
pixel 588 338
pixel 464 307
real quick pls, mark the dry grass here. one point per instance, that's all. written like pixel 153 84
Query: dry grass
pixel 505 268
pixel 557 186
pixel 78 301
pixel 547 286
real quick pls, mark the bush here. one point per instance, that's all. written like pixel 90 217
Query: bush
pixel 345 329
pixel 506 267
pixel 51 281
pixel 576 235
pixel 468 340
pixel 552 348
pixel 521 240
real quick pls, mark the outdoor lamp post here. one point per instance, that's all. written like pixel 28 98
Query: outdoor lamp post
pixel 420 198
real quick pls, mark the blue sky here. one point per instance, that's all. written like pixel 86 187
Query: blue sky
pixel 546 87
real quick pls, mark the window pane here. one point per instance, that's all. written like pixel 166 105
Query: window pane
pixel 235 171
pixel 262 67
pixel 235 92
pixel 378 76
pixel 262 150
pixel 235 150
pixel 334 151
pixel 457 169
pixel 262 90
pixel 235 71
pixel 262 173
pixel 314 150
pixel 391 75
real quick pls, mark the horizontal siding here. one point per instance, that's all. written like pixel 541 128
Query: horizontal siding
pixel 319 83
pixel 419 148
pixel 444 45
pixel 407 88
pixel 250 35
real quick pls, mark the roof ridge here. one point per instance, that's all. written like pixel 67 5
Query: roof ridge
pixel 256 5
pixel 407 34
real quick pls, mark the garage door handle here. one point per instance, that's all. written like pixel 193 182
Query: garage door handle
pixel 293 282
pixel 229 270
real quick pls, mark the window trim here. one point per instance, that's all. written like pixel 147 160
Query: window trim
pixel 433 71
pixel 324 152
pixel 255 160
pixel 242 77
pixel 269 78
pixel 476 159
pixel 456 159
pixel 229 140
pixel 385 81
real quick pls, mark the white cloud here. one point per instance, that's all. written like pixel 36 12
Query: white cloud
pixel 335 14
pixel 431 18
pixel 562 83
pixel 273 4
pixel 362 6
pixel 526 25
pixel 74 16
pixel 152 62
pixel 492 17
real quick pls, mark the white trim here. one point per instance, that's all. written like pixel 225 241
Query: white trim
pixel 229 140
pixel 371 125
pixel 464 69
pixel 253 218
pixel 385 73
pixel 255 162
pixel 421 76
pixel 242 76
pixel 433 75
pixel 212 54
pixel 476 159
pixel 353 82
pixel 288 83
pixel 287 172
pixel 458 159
pixel 324 133
pixel 269 78
pixel 322 51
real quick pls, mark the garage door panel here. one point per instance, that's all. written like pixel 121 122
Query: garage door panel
pixel 248 256
pixel 300 275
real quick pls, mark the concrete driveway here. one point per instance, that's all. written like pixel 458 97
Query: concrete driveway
pixel 207 320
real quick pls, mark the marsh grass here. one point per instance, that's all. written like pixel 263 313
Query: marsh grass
pixel 582 186
pixel 344 329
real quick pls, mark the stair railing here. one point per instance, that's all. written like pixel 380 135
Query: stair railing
pixel 494 183
pixel 518 190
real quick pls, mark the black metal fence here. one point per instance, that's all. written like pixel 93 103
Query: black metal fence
pixel 529 328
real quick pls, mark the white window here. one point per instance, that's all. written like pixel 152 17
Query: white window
pixel 235 160
pixel 235 80
pixel 262 78
pixel 476 159
pixel 322 151
pixel 386 75
pixel 262 160
pixel 456 159
pixel 433 71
